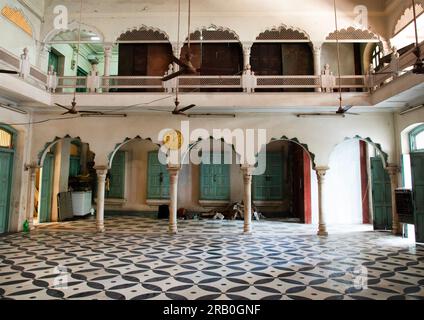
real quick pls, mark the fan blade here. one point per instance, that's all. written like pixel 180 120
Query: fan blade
pixel 347 108
pixel 187 108
pixel 157 110
pixel 63 107
pixel 174 75
pixel 64 114
pixel 179 62
pixel 92 112
pixel 8 71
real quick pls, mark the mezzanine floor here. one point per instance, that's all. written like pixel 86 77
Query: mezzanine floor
pixel 136 259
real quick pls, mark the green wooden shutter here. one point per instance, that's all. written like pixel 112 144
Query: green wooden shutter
pixel 269 186
pixel 46 195
pixel 54 61
pixel 6 165
pixel 157 178
pixel 381 195
pixel 117 177
pixel 215 180
pixel 74 166
pixel 417 164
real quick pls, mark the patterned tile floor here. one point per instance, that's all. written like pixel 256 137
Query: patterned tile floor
pixel 136 259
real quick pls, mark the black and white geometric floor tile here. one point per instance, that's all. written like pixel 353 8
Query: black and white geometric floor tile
pixel 274 263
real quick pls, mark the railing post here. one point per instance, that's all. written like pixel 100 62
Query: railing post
pixel 25 64
pixel 52 80
pixel 93 79
pixel 248 80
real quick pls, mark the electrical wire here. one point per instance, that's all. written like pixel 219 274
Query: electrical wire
pixel 41 121
pixel 338 54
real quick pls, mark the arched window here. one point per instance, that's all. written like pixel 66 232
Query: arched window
pixel 376 57
pixel 416 138
pixel 6 139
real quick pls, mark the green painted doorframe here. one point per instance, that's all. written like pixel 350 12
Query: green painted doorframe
pixel 8 155
pixel 417 167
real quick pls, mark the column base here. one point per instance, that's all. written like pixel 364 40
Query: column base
pixel 173 230
pixel 100 228
pixel 247 230
pixel 322 231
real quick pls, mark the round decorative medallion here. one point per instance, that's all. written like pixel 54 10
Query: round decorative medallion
pixel 173 139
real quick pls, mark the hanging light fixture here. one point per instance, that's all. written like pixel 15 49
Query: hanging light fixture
pixel 419 65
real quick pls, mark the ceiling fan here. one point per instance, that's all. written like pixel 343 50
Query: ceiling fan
pixel 73 110
pixel 419 64
pixel 8 71
pixel 177 111
pixel 186 67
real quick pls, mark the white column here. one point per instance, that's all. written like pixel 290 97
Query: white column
pixel 107 61
pixel 32 171
pixel 247 199
pixel 316 47
pixel 43 57
pixel 322 228
pixel 393 171
pixel 173 180
pixel 247 49
pixel 101 182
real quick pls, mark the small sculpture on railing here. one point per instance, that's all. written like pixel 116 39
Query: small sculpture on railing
pixel 249 80
pixel 93 79
pixel 328 80
pixel 170 85
pixel 370 78
pixel 52 80
pixel 25 64
pixel 394 62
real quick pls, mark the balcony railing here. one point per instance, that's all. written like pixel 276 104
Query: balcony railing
pixel 247 82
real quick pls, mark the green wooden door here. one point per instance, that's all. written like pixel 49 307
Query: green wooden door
pixel 269 186
pixel 215 179
pixel 54 61
pixel 117 177
pixel 6 165
pixel 381 195
pixel 157 178
pixel 74 166
pixel 417 164
pixel 46 195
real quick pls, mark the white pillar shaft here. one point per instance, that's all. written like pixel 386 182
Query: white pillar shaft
pixel 247 199
pixel 322 228
pixel 317 64
pixel 393 173
pixel 31 200
pixel 246 56
pixel 107 59
pixel 173 176
pixel 101 182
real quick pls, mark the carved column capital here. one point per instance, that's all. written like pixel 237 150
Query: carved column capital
pixel 321 173
pixel 316 47
pixel 101 171
pixel 247 47
pixel 393 169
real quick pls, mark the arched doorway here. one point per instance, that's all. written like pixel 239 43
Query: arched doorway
pixel 66 165
pixel 217 51
pixel 287 188
pixel 359 185
pixel 137 181
pixel 7 151
pixel 143 51
pixel 211 177
pixel 282 51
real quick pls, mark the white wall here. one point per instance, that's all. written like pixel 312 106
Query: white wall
pixel 343 185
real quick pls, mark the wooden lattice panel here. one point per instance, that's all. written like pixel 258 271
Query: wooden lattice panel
pixel 352 34
pixel 281 34
pixel 143 34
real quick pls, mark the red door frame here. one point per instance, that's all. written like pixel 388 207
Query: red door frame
pixel 363 146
